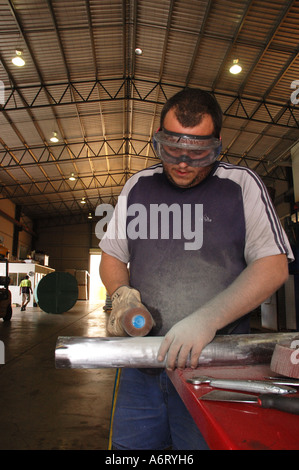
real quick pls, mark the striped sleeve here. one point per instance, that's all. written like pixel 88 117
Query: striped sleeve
pixel 264 233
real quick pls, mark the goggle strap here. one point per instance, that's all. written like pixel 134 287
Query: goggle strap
pixel 188 136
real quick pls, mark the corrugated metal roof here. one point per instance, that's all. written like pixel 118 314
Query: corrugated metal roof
pixel 83 80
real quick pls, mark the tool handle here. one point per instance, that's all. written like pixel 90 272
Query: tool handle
pixel 287 404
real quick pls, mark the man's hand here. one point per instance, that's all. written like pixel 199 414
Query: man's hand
pixel 187 337
pixel 253 286
pixel 126 300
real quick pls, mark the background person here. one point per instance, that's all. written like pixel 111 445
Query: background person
pixel 25 290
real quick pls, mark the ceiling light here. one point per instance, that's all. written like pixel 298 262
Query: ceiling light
pixel 83 200
pixel 54 137
pixel 72 177
pixel 18 59
pixel 89 216
pixel 138 51
pixel 236 67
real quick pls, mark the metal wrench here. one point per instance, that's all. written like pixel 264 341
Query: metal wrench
pixel 284 381
pixel 254 386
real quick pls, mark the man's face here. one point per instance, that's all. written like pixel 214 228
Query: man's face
pixel 182 174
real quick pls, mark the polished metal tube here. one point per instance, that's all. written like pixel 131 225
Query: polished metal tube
pixel 141 352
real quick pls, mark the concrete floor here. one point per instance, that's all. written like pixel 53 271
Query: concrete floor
pixel 44 408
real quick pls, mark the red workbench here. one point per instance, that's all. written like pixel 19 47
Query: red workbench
pixel 236 426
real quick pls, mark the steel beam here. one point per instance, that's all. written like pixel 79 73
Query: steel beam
pixel 83 91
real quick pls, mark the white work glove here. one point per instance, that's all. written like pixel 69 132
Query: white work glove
pixel 186 339
pixel 124 300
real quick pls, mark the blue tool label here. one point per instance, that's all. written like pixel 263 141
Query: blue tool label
pixel 138 321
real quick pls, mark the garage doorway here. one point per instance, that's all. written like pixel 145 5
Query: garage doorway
pixel 97 291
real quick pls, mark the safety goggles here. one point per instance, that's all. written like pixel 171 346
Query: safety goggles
pixel 195 150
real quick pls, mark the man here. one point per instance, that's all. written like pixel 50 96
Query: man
pixel 223 253
pixel 25 289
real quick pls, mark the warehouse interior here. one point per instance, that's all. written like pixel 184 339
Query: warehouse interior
pixel 77 120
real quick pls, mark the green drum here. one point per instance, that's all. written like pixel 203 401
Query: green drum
pixel 56 292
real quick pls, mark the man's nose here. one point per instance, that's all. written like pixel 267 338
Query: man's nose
pixel 182 164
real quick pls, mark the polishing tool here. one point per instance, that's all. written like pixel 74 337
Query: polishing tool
pixel 285 358
pixel 129 315
pixel 137 321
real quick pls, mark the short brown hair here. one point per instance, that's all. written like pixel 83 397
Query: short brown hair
pixel 190 105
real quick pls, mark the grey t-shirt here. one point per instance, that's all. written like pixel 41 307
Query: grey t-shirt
pixel 184 246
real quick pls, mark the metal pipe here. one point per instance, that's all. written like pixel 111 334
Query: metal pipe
pixel 139 352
